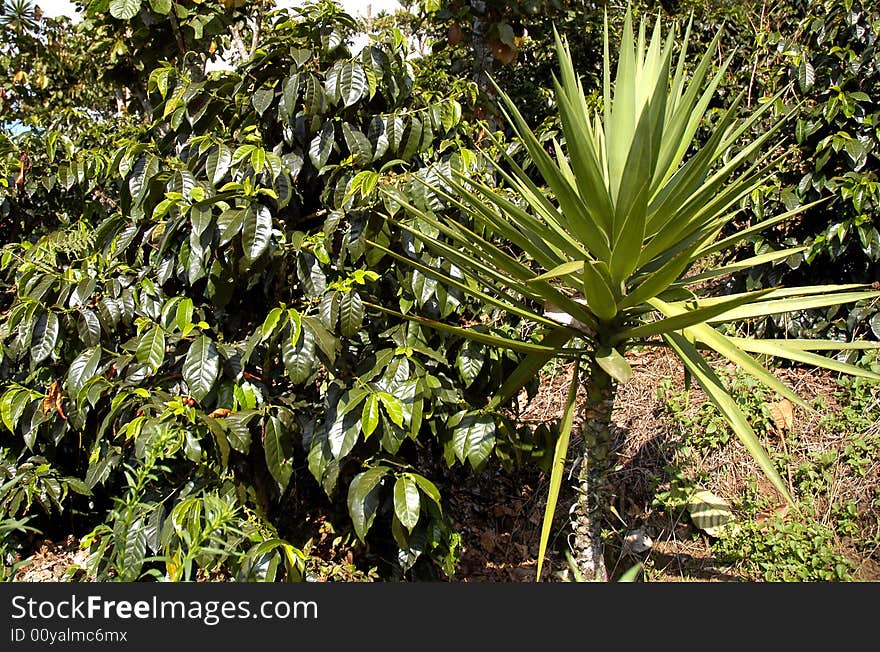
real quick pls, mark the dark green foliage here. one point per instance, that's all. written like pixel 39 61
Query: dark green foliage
pixel 210 347
pixel 828 53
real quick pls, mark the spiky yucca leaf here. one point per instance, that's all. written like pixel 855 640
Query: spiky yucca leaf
pixel 632 202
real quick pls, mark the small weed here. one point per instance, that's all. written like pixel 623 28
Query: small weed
pixel 836 520
pixel 785 551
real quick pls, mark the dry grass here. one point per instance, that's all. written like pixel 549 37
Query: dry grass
pixel 647 442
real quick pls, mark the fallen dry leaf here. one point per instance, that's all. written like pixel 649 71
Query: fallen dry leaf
pixel 783 414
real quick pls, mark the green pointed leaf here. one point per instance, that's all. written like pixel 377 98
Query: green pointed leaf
pixel 151 348
pixel 322 145
pixel 393 407
pixel 299 357
pixel 277 447
pixel 183 316
pixel 351 83
pixel 614 364
pixel 201 367
pixel 370 415
pixel 363 499
pixel 261 99
pixel 714 389
pixel 806 75
pixel 564 269
pixel 135 550
pixel 351 313
pixel 557 467
pixel 45 337
pixel 407 502
pixel 358 144
pixel 427 487
pixel 473 438
pixel 239 434
pixel 83 368
pixel 599 295
pixel 256 231
pixel 290 94
pixel 218 162
pixel 272 323
pixel 470 361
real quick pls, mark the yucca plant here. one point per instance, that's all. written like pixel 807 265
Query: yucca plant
pixel 614 251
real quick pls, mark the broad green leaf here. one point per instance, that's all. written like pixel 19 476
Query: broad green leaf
pixel 239 434
pixel 276 444
pixel 322 145
pixel 82 369
pixel 135 550
pixel 393 407
pixel 151 348
pixel 709 512
pixel 363 499
pixel 99 470
pixel 201 367
pixel 272 323
pixel 45 336
pixel 183 316
pixel 406 501
pixel 218 162
pixel 201 218
pixel 290 94
pixel 470 361
pixel 351 313
pixel 473 438
pixel 806 75
pixel 427 487
pixel 325 340
pixel 614 364
pixel 299 357
pixel 344 432
pixel 124 9
pixel 161 7
pixel 256 231
pixel 89 327
pixel 358 144
pixel 12 406
pixel 351 83
pixel 262 98
pixel 229 222
pixel 370 415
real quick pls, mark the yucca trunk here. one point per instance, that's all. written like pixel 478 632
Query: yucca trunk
pixel 591 505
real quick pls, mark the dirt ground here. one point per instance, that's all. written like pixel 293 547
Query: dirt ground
pixel 502 528
pixel 499 512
